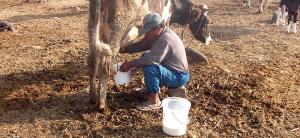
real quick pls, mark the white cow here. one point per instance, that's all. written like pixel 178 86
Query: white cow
pixel 109 20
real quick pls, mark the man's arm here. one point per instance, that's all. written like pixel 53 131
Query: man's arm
pixel 158 53
pixel 135 47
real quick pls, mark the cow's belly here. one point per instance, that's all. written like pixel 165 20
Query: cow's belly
pixel 161 7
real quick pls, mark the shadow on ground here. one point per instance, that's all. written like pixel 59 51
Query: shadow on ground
pixel 230 32
pixel 22 18
pixel 58 93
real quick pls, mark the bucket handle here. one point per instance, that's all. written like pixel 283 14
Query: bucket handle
pixel 183 123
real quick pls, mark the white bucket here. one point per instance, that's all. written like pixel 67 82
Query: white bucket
pixel 175 115
pixel 121 77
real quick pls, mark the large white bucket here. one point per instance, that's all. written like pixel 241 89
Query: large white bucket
pixel 175 115
pixel 121 77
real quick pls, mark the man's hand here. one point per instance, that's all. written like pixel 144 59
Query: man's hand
pixel 126 66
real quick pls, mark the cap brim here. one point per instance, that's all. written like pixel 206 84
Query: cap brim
pixel 143 31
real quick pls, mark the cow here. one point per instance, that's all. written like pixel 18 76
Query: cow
pixel 108 24
pixel 182 12
pixel 292 7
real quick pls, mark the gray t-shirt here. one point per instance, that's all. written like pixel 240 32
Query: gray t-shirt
pixel 168 50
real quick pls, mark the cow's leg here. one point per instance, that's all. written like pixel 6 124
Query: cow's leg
pixel 261 5
pixel 93 63
pixel 283 14
pixel 249 3
pixel 94 60
pixel 295 22
pixel 194 55
pixel 104 73
pixel 260 9
pixel 289 22
pixel 208 39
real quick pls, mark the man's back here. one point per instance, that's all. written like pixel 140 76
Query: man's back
pixel 168 50
pixel 176 58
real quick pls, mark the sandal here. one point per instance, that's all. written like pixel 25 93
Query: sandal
pixel 145 106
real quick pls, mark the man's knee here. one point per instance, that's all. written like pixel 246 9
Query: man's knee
pixel 151 69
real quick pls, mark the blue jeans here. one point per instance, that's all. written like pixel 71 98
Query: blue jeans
pixel 157 75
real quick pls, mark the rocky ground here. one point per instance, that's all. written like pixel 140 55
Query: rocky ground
pixel 250 88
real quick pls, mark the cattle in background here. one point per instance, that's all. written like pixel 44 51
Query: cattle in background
pixel 282 9
pixel 262 4
pixel 279 16
pixel 246 3
pixel 292 9
pixel 108 23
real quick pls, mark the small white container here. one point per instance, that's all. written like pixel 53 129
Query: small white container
pixel 121 77
pixel 175 115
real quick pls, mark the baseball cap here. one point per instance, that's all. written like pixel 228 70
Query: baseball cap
pixel 150 21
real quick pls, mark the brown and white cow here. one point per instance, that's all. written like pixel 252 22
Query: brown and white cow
pixel 109 22
pixel 182 12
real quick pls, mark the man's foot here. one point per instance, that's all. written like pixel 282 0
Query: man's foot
pixel 141 94
pixel 178 92
pixel 147 106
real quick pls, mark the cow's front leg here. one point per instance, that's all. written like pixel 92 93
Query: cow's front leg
pixel 260 9
pixel 104 73
pixel 93 63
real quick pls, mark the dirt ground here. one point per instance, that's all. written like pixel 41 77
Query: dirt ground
pixel 250 88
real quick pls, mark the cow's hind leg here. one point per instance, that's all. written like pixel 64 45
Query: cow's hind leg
pixel 261 5
pixel 104 73
pixel 93 63
pixel 260 9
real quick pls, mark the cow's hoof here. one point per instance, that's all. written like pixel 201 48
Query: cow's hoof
pixel 104 111
pixel 102 108
pixel 92 101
